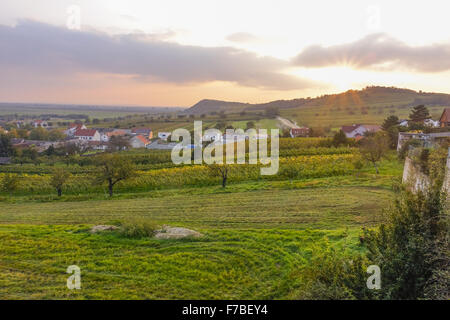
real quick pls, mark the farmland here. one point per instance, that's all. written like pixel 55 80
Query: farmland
pixel 257 232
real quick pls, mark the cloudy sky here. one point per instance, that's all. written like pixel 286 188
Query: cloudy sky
pixel 176 52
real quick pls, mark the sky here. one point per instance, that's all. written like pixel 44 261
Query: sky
pixel 177 52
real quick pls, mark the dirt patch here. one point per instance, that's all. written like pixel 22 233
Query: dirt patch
pixel 103 227
pixel 168 232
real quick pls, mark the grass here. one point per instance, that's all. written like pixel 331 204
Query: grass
pixel 301 208
pixel 226 264
pixel 257 236
pixel 254 241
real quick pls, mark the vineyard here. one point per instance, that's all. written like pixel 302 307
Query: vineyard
pixel 299 159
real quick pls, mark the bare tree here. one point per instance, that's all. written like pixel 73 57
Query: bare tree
pixel 222 170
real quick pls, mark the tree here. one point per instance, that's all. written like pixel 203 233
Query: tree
pixel 340 139
pixel 250 125
pixel 55 135
pixel 374 147
pixel 419 113
pixel 390 122
pixel 220 125
pixel 272 112
pixel 390 125
pixel 9 183
pixel 39 134
pixel 112 169
pixel 117 143
pixel 58 179
pixel 6 149
pixel 222 170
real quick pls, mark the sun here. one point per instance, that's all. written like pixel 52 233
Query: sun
pixel 340 78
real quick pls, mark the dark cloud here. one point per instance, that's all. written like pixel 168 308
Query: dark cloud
pixel 378 51
pixel 48 49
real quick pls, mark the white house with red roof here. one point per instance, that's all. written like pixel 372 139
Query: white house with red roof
pixel 87 135
pixel 299 132
pixel 139 142
pixel 358 130
pixel 39 123
pixel 73 127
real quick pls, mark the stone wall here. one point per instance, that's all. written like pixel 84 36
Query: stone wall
pixel 417 180
pixel 446 184
pixel 413 177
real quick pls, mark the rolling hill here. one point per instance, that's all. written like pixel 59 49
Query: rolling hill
pixel 369 105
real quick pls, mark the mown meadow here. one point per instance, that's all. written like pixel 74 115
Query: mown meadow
pixel 258 232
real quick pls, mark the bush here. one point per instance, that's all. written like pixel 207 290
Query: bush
pixel 412 248
pixel 138 228
pixel 334 275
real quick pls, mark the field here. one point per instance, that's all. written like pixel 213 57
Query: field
pixel 334 117
pixel 254 241
pixel 257 233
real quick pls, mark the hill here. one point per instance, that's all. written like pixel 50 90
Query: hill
pixel 370 105
pixel 357 98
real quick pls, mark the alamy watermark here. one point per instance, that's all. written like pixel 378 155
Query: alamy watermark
pixel 74 281
pixel 189 150
pixel 374 281
pixel 73 21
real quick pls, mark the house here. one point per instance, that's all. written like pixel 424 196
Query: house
pixel 117 132
pixel 87 135
pixel 145 132
pixel 403 122
pixel 97 145
pixel 19 123
pixel 164 135
pixel 431 123
pixel 73 127
pixel 445 118
pixel 359 130
pixel 39 123
pixel 212 137
pixel 104 137
pixel 427 139
pixel 139 142
pixel 299 132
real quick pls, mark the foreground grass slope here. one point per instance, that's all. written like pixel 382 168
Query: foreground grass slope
pixel 254 241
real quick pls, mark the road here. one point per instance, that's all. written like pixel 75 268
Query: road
pixel 285 123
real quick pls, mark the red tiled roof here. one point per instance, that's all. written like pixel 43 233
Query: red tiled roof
pixel 75 125
pixel 445 117
pixel 348 129
pixel 143 139
pixel 85 132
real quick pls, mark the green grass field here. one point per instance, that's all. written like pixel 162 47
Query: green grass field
pixel 257 235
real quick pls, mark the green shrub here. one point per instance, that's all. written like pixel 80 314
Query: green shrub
pixel 138 228
pixel 334 275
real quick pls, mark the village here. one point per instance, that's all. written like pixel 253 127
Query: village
pixel 40 135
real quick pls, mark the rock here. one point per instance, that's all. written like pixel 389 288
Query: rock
pixel 168 232
pixel 103 227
